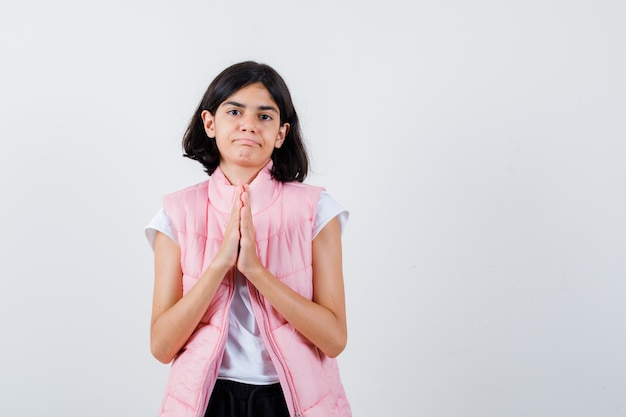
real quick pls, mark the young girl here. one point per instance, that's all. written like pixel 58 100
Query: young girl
pixel 248 293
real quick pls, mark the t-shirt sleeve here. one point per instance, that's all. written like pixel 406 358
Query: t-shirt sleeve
pixel 327 209
pixel 160 223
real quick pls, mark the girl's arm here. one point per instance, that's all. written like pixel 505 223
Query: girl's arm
pixel 174 317
pixel 321 320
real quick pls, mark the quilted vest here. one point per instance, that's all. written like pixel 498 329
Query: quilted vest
pixel 283 215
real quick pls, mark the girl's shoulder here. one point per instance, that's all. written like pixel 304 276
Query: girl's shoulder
pixel 297 191
pixel 190 189
pixel 303 186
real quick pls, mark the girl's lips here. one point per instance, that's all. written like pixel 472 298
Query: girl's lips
pixel 248 142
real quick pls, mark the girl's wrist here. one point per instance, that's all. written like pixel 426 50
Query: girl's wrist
pixel 217 271
pixel 254 273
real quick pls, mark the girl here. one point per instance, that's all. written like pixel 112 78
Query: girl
pixel 248 294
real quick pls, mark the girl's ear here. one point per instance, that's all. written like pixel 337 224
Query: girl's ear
pixel 208 120
pixel 282 134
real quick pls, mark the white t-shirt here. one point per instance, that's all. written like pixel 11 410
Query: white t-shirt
pixel 245 357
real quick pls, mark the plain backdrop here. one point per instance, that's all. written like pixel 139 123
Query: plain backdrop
pixel 480 147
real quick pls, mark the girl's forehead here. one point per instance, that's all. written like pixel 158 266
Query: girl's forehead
pixel 252 92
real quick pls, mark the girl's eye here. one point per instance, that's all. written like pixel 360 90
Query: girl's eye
pixel 265 117
pixel 234 112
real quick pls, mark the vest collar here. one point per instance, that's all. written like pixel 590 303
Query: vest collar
pixel 263 190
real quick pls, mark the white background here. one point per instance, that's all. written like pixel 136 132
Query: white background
pixel 480 146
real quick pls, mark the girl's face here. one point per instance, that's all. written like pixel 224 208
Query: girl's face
pixel 246 128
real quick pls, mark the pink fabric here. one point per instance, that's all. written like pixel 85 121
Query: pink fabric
pixel 283 218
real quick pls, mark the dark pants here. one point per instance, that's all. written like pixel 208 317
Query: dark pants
pixel 234 399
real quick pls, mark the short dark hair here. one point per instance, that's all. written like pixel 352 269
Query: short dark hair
pixel 291 162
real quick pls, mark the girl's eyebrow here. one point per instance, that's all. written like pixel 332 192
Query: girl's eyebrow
pixel 243 106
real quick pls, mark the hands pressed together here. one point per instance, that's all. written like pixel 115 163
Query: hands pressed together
pixel 239 244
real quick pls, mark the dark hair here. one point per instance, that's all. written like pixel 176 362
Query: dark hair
pixel 291 162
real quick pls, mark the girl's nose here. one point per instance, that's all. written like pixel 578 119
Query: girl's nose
pixel 248 124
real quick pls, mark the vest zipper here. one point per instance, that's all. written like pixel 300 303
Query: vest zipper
pixel 292 391
pixel 204 398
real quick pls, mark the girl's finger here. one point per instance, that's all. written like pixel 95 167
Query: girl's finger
pixel 236 202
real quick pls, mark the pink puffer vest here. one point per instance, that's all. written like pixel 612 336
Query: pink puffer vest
pixel 283 218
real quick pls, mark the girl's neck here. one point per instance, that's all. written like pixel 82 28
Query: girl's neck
pixel 240 175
